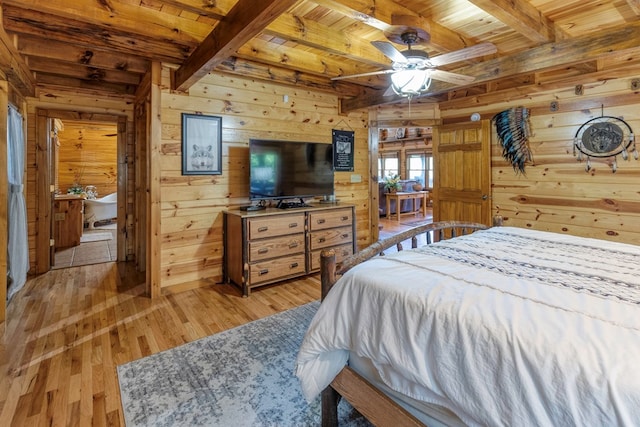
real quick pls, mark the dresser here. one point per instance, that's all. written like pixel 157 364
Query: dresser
pixel 268 246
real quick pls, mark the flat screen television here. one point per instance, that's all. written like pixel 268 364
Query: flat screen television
pixel 289 169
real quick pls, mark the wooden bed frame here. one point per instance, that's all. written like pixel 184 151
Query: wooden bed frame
pixel 362 395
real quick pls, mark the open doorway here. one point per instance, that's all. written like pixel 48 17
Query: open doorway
pixel 405 160
pixel 47 217
pixel 85 174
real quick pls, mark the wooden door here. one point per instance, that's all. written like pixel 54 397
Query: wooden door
pixel 462 167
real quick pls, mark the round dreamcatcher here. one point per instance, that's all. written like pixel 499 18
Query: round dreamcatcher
pixel 604 136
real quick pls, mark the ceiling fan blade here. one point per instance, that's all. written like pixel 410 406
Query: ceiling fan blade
pixel 389 91
pixel 449 77
pixel 390 51
pixel 464 54
pixel 372 73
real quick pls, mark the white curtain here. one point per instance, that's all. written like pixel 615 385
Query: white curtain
pixel 18 246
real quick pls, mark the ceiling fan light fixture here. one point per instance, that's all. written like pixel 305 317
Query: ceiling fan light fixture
pixel 410 82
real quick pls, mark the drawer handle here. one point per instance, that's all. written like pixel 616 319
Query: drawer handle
pixel 321 221
pixel 263 272
pixel 344 218
pixel 261 229
pixel 344 236
pixel 293 225
pixel 293 245
pixel 293 265
pixel 263 250
pixel 321 240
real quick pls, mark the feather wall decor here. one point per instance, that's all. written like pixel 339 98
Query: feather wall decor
pixel 513 130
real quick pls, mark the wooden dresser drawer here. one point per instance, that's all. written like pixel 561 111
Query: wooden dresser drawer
pixel 331 218
pixel 332 237
pixel 342 252
pixel 276 269
pixel 276 247
pixel 277 225
pixel 261 248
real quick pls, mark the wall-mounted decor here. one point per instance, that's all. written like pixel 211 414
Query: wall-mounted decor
pixel 343 150
pixel 513 130
pixel 201 144
pixel 604 136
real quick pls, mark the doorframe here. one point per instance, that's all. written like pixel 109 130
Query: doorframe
pixel 44 180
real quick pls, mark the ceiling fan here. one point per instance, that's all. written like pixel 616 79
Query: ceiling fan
pixel 412 70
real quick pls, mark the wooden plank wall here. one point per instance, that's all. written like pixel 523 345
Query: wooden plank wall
pixel 86 105
pixel 556 194
pixel 192 205
pixel 88 156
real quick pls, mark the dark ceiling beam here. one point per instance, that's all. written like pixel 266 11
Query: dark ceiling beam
pixel 13 66
pixel 128 17
pixel 89 35
pixel 282 75
pixel 522 17
pixel 380 14
pixel 50 66
pixel 246 19
pixel 84 86
pixel 517 93
pixel 30 46
pixel 635 6
pixel 318 36
pixel 217 9
pixel 306 61
pixel 544 57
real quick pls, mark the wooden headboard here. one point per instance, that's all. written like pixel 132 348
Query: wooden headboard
pixel 433 231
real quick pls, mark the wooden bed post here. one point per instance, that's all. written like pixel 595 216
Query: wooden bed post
pixel 327 271
pixel 329 414
pixel 330 397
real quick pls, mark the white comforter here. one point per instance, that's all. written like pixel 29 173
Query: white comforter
pixel 506 326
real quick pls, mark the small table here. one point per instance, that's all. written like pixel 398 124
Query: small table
pixel 400 196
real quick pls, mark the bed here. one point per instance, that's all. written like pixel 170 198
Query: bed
pixel 501 326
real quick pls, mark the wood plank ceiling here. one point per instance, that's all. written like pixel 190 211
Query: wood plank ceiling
pixel 107 46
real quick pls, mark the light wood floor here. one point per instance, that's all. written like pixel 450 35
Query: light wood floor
pixel 67 330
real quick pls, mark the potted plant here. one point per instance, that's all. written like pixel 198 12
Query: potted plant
pixel 392 183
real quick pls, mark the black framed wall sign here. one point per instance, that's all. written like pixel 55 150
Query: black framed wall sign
pixel 343 150
pixel 201 144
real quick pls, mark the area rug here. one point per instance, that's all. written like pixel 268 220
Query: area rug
pixel 240 377
pixel 95 237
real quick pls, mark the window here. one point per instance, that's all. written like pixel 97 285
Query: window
pixel 420 166
pixel 388 164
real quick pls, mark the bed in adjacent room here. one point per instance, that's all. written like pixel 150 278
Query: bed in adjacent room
pixel 503 326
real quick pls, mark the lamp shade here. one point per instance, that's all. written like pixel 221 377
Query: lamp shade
pixel 410 82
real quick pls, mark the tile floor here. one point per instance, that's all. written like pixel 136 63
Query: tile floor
pixel 89 252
